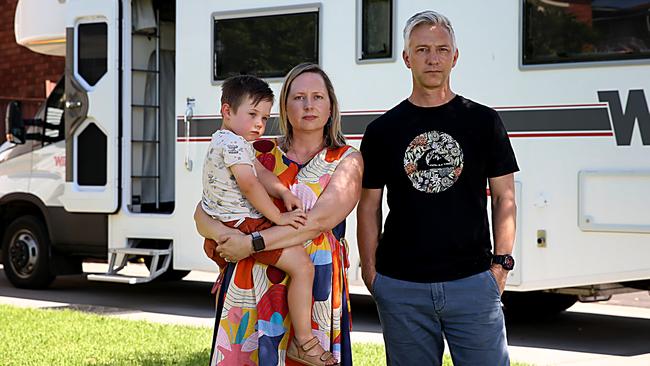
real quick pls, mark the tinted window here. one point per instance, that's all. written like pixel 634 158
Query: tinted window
pixel 91 157
pixel 266 46
pixel 91 52
pixel 575 31
pixel 376 29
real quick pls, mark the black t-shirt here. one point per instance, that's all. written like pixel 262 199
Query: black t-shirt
pixel 435 162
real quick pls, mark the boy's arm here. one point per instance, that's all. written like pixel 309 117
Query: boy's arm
pixel 271 183
pixel 254 191
pixel 276 189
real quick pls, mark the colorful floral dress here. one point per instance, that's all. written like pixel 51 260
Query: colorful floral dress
pixel 252 325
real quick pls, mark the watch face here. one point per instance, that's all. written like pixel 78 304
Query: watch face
pixel 258 242
pixel 508 262
pixel 257 245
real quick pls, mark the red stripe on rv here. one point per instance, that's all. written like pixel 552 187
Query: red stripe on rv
pixel 563 134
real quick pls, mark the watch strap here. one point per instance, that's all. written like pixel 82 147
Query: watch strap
pixel 504 260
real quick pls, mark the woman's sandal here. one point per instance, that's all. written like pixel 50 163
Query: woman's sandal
pixel 298 353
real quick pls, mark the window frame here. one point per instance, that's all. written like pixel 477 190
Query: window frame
pixel 359 36
pixel 564 65
pixel 80 79
pixel 260 12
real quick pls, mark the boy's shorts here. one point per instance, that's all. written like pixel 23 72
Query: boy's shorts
pixel 248 226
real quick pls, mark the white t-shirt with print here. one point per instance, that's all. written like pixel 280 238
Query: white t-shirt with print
pixel 222 198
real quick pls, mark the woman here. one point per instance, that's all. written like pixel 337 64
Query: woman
pixel 252 325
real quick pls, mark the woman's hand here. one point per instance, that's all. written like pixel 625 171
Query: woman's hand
pixel 234 247
pixel 295 218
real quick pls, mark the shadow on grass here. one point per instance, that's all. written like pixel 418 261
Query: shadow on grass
pixel 157 359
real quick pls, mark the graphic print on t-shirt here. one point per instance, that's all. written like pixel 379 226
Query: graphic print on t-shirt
pixel 433 162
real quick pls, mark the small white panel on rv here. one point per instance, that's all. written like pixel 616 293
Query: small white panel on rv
pixel 614 201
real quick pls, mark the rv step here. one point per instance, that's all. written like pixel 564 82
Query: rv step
pixel 117 278
pixel 118 258
pixel 140 251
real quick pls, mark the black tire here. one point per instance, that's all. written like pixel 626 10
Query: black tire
pixel 535 304
pixel 26 253
pixel 169 275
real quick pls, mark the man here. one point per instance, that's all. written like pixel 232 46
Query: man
pixel 432 272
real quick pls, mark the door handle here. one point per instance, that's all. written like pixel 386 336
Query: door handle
pixel 71 104
pixel 189 114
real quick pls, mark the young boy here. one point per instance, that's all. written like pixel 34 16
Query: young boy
pixel 235 187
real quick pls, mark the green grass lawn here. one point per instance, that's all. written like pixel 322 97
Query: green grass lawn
pixel 65 337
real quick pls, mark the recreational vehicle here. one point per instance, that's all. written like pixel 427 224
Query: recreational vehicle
pixel 110 167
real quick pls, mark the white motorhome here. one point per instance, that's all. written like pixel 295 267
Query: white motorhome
pixel 111 166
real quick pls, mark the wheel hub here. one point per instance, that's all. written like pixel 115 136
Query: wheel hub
pixel 23 253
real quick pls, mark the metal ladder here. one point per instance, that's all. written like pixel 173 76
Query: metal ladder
pixel 145 143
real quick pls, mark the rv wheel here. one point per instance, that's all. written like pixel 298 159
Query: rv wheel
pixel 26 253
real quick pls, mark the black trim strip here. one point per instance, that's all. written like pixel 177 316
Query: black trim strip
pixel 545 120
pixel 529 120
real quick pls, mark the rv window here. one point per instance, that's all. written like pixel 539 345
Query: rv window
pixel 91 52
pixel 578 31
pixel 54 126
pixel 266 46
pixel 376 29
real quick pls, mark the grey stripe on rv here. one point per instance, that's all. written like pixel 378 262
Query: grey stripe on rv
pixel 537 120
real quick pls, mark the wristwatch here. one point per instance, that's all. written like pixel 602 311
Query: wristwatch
pixel 506 261
pixel 258 241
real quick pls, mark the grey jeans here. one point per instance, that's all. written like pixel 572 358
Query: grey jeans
pixel 415 316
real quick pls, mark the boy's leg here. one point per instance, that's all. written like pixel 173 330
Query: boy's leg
pixel 297 264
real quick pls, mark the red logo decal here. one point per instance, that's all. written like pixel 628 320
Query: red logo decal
pixel 59 161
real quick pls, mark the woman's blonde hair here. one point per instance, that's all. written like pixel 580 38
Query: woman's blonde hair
pixel 332 131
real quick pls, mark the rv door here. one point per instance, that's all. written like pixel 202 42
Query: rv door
pixel 92 108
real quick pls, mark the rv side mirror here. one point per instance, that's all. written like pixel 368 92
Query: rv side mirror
pixel 14 124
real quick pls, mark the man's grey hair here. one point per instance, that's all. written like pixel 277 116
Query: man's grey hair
pixel 427 17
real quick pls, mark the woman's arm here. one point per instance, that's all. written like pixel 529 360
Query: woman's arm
pixel 333 206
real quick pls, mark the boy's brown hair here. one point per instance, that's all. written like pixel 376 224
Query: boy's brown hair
pixel 236 89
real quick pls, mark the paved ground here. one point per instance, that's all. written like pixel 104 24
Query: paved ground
pixel 612 333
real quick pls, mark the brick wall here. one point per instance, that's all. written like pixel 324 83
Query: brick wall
pixel 22 72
